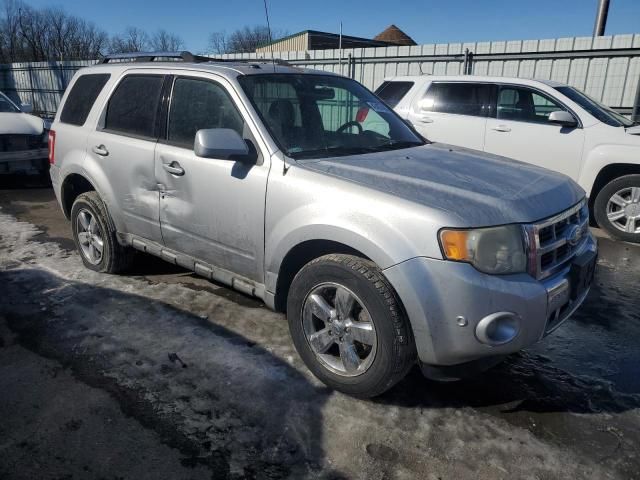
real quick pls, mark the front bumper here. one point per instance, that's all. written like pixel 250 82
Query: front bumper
pixel 446 301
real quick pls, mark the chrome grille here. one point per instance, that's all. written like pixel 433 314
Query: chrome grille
pixel 554 242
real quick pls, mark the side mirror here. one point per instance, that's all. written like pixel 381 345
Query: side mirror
pixel 560 117
pixel 221 143
pixel 26 108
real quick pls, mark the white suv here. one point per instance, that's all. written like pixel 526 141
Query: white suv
pixel 545 123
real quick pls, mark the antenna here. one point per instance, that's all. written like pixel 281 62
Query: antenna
pixel 340 49
pixel 266 14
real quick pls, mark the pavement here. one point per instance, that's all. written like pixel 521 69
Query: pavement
pixel 162 374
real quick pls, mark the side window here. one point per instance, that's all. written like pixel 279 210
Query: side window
pixel 133 107
pixel 198 104
pixel 393 92
pixel 81 97
pixel 461 98
pixel 525 105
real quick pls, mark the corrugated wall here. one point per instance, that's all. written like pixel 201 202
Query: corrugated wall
pixel 607 68
pixel 294 43
pixel 40 83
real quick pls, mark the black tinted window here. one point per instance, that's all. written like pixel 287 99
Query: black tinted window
pixel 133 107
pixel 459 98
pixel 198 104
pixel 81 98
pixel 393 92
pixel 525 105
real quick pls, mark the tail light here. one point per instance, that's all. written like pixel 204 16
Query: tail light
pixel 52 147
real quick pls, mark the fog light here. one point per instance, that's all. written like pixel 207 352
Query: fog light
pixel 498 328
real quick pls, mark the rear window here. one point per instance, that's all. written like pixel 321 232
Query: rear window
pixel 459 98
pixel 393 92
pixel 81 98
pixel 133 107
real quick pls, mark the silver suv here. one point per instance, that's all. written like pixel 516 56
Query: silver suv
pixel 303 189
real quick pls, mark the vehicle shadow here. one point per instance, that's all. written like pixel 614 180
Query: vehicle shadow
pixel 21 181
pixel 218 397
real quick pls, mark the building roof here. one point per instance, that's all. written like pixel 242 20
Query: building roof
pixel 324 40
pixel 395 36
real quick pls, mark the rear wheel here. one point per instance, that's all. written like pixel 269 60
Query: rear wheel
pixel 348 326
pixel 617 208
pixel 95 238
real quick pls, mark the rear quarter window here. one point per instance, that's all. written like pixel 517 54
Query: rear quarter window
pixel 81 98
pixel 393 92
pixel 133 106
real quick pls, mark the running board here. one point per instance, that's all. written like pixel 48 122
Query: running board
pixel 211 272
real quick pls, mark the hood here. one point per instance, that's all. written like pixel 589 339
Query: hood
pixel 477 188
pixel 20 124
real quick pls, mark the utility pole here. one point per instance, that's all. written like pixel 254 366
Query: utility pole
pixel 601 18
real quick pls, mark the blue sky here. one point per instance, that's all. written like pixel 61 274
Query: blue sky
pixel 427 21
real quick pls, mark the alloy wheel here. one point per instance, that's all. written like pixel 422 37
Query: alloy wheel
pixel 90 237
pixel 623 210
pixel 339 329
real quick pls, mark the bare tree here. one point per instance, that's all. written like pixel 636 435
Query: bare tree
pixel 246 39
pixel 163 41
pixel 132 40
pixel 218 43
pixel 28 34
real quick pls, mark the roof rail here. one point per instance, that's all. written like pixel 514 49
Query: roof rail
pixel 185 56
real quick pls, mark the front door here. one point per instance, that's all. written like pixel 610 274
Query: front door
pixel 123 147
pixel 453 113
pixel 522 130
pixel 210 209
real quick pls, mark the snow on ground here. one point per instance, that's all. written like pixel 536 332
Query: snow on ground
pixel 239 402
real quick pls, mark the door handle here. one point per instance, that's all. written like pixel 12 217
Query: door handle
pixel 425 119
pixel 501 128
pixel 100 150
pixel 173 168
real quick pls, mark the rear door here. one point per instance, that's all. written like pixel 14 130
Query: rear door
pixel 214 209
pixel 453 112
pixel 521 130
pixel 124 144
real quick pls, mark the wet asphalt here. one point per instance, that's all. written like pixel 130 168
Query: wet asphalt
pixel 568 406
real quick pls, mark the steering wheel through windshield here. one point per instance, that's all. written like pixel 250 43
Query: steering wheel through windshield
pixel 350 124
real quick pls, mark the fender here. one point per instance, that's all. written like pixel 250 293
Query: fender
pixel 375 227
pixel 602 156
pixel 96 177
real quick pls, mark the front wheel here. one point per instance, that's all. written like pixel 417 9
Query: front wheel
pixel 617 208
pixel 348 326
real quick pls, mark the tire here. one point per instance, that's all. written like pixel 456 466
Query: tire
pixel 392 351
pixel 627 189
pixel 90 209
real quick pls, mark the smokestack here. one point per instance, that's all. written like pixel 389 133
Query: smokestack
pixel 601 18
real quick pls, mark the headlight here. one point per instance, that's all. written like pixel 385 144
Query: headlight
pixel 496 250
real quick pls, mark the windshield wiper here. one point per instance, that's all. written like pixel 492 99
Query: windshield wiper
pixel 353 150
pixel 397 144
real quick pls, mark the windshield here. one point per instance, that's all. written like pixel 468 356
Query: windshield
pixel 599 111
pixel 316 116
pixel 6 105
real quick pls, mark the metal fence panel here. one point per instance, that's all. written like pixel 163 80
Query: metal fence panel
pixel 607 68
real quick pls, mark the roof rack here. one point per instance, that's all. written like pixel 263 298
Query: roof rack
pixel 184 56
pixel 151 56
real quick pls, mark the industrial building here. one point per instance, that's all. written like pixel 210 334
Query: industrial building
pixel 315 40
